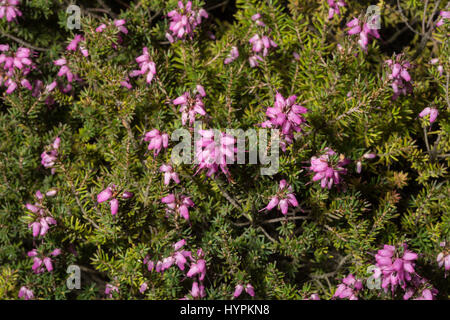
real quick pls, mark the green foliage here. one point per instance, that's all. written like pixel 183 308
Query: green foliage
pixel 401 196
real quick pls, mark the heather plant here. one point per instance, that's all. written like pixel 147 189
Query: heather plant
pixel 357 117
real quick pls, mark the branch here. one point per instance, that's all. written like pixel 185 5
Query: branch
pixel 22 42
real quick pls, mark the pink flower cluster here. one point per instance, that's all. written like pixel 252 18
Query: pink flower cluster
pixel 16 67
pixel 401 80
pixel 110 289
pixel 334 8
pixel 183 21
pixel 445 15
pixel 64 70
pixel 25 293
pixel 440 68
pixel 365 32
pixel 421 289
pixel 395 266
pixel 248 288
pixel 74 45
pixel 191 106
pixel 157 140
pixel 147 67
pixel 432 112
pixel 8 9
pixel 283 199
pixel 260 44
pixel 443 258
pixel 179 204
pixel 348 288
pixel 111 193
pixel 234 54
pixel 213 151
pixel 40 259
pixel 287 116
pixel 183 258
pixel 120 24
pixel 49 156
pixel 257 19
pixel 42 217
pixel 198 270
pixel 328 168
pixel 365 156
pixel 169 174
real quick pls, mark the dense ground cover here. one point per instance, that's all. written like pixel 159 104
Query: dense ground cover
pixel 347 197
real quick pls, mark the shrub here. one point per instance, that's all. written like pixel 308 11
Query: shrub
pixel 358 206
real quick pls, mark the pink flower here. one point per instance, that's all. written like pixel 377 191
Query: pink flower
pixel 420 288
pixel 365 32
pixel 74 45
pixel 110 193
pixel 399 76
pixel 100 28
pixel 126 84
pixel 328 168
pixel 283 199
pixel 105 195
pixel 239 288
pixel 51 193
pixel 213 151
pixel 365 156
pixel 49 157
pixel 147 67
pixel 262 44
pixel 143 287
pixel 178 204
pixel 433 112
pixel 110 289
pixel 179 244
pixel 349 288
pixel 444 14
pixel 42 220
pixel 8 9
pixel 253 60
pixel 396 266
pixel 169 174
pixel 334 8
pixel 257 18
pixel 64 70
pixel 16 67
pixel 114 203
pixel 234 54
pixel 190 107
pixel 40 259
pixel 157 141
pixel 198 268
pixel 120 24
pixel 183 21
pixel 287 116
pixel 195 291
pixel 443 259
pixel 250 290
pixel 25 293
